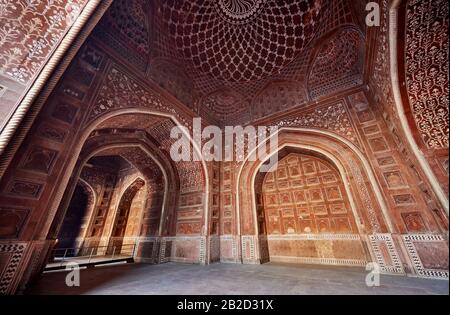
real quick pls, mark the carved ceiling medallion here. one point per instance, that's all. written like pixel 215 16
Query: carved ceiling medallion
pixel 239 11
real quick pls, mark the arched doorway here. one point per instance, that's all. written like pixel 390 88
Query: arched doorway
pixel 343 243
pixel 304 211
pixel 73 226
pixel 87 216
pixel 130 208
pixel 140 138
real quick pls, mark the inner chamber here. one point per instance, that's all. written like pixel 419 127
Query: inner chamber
pixel 106 209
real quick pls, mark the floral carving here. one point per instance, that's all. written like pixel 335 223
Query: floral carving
pixel 120 91
pixel 332 117
pixel 29 31
pixel 426 65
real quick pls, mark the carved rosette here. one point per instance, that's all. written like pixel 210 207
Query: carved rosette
pixel 239 11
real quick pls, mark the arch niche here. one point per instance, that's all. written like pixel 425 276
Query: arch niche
pixel 365 206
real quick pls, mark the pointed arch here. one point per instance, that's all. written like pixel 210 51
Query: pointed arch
pixel 367 201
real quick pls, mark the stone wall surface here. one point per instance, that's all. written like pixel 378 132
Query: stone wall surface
pixel 349 188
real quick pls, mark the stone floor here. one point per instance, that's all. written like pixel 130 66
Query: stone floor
pixel 59 262
pixel 229 279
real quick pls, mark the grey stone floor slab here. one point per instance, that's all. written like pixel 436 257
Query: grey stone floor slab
pixel 230 279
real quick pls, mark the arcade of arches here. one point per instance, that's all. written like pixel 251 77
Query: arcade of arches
pixel 91 92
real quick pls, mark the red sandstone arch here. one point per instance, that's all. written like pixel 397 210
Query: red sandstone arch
pixel 121 215
pixel 91 127
pixel 365 196
pixel 123 209
pixel 303 168
pixel 195 238
pixel 119 144
pixel 115 143
pixel 304 202
pixel 168 179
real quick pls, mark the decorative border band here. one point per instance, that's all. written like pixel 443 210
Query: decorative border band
pixel 320 261
pixel 415 258
pixel 396 266
pixel 315 237
pixel 17 251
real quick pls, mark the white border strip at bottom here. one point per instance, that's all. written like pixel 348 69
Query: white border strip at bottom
pixel 319 261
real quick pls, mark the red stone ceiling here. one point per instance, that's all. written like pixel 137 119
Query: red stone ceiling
pixel 240 40
pixel 159 130
pixel 111 162
pixel 139 160
pixel 218 57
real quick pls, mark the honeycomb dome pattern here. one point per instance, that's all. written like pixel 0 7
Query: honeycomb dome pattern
pixel 241 40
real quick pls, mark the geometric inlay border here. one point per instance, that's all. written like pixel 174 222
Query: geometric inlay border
pixel 248 241
pixel 415 258
pixel 202 255
pixel 396 266
pixel 315 237
pixel 320 261
pixel 234 247
pixel 17 250
pixel 162 252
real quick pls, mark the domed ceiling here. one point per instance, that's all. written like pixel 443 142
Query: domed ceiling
pixel 235 61
pixel 241 40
